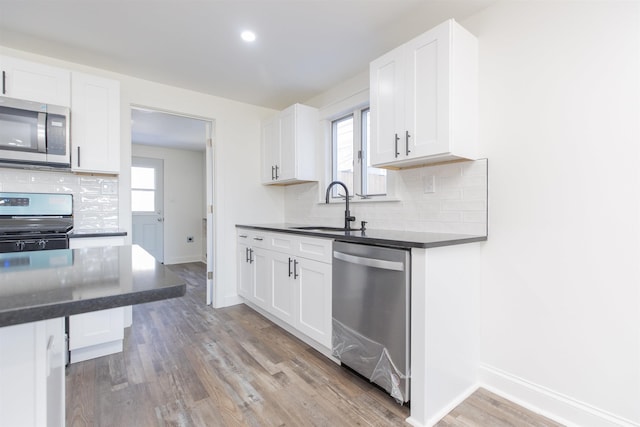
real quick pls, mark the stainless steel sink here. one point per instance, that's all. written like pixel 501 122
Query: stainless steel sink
pixel 320 228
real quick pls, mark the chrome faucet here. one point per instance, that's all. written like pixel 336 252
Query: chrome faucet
pixel 347 215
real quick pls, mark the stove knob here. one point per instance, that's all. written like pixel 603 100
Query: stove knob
pixel 42 244
pixel 20 245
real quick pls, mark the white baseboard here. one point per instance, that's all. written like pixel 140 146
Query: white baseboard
pixel 433 420
pixel 182 260
pixel 551 404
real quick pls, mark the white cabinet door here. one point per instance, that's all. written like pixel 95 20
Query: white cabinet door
pixel 261 277
pixel 35 82
pixel 314 290
pixel 32 374
pixel 424 98
pixel 287 162
pixel 96 334
pixel 427 98
pixel 245 269
pixel 284 290
pixel 387 106
pixel 270 149
pixel 288 146
pixel 95 124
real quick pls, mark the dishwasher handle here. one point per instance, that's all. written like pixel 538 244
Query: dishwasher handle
pixel 369 262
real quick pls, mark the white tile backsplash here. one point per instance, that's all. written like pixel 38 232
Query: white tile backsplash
pixel 458 205
pixel 95 197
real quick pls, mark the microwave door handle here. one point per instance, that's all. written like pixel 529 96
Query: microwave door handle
pixel 42 132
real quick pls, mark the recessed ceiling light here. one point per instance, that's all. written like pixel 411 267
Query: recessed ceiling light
pixel 248 36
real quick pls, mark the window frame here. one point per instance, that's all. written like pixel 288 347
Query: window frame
pixel 359 154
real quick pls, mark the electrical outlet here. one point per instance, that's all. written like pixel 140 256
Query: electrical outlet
pixel 190 239
pixel 109 188
pixel 429 184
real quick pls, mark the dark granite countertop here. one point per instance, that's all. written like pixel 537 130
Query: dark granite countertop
pixel 42 285
pixel 78 233
pixel 401 239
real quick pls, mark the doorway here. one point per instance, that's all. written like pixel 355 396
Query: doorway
pixel 183 146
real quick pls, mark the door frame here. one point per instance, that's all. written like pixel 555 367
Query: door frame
pixel 210 199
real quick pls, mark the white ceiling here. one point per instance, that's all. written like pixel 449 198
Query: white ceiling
pixel 304 47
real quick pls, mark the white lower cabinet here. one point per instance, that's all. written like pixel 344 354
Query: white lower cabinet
pixel 294 273
pixel 98 333
pixel 314 300
pixel 283 293
pixel 32 375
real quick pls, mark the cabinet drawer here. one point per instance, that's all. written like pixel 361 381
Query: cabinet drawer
pixel 282 242
pixel 255 239
pixel 314 248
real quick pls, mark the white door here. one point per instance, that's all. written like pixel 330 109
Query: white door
pixel 147 205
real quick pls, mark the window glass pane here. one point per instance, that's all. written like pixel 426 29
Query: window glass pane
pixel 143 178
pixel 143 200
pixel 343 153
pixel 374 180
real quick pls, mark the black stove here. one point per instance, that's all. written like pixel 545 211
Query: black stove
pixel 35 221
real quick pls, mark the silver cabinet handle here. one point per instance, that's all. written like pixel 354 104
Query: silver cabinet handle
pixel 290 266
pixel 246 254
pixel 295 269
pixel 244 236
pixel 259 239
pixel 406 141
pixel 78 156
pixel 251 256
pixel 397 152
pixel 277 173
pixel 272 173
pixel 4 82
pixel 369 262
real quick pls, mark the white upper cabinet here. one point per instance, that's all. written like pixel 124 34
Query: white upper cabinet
pixel 424 99
pixel 95 124
pixel 35 82
pixel 288 146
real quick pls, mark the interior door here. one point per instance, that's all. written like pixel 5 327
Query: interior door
pixel 147 205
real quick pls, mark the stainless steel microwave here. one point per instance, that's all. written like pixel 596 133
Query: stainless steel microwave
pixel 33 134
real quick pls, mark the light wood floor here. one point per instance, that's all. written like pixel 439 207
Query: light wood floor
pixel 185 364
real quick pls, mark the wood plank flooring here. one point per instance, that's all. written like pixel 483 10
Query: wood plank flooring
pixel 185 364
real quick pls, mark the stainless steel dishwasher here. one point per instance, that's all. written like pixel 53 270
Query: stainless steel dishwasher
pixel 371 314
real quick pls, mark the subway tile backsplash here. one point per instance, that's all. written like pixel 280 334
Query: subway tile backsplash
pixel 458 204
pixel 95 198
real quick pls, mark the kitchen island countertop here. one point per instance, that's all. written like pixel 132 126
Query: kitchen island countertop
pixel 394 238
pixel 43 285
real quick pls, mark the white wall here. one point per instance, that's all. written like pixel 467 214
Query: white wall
pixel 184 181
pixel 237 161
pixel 560 125
pixel 559 122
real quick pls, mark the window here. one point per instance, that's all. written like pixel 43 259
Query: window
pixel 350 155
pixel 143 186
